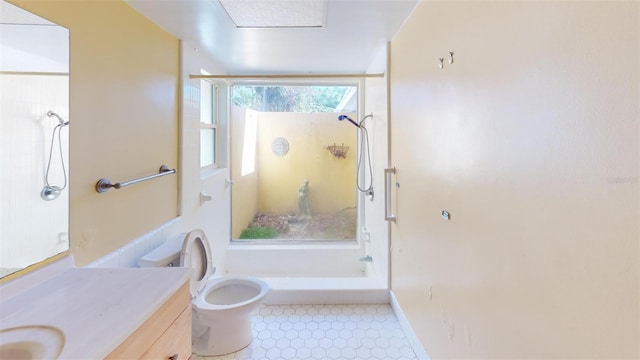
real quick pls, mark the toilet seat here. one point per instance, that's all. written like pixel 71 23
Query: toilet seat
pixel 257 290
pixel 221 307
pixel 196 254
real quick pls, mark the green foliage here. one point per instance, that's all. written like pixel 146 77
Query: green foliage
pixel 289 98
pixel 259 232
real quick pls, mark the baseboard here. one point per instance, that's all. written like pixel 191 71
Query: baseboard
pixel 418 349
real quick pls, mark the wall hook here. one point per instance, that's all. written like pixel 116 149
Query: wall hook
pixel 450 57
pixel 441 63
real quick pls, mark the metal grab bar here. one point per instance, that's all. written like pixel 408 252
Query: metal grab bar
pixel 388 216
pixel 103 185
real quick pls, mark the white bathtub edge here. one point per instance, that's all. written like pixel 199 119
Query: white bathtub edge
pixel 319 291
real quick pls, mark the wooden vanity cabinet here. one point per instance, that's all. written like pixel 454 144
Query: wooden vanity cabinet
pixel 165 335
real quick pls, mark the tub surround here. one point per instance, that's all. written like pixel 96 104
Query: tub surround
pixel 96 309
pixel 326 290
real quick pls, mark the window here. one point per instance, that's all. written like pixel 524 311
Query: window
pixel 208 124
pixel 308 99
pixel 290 183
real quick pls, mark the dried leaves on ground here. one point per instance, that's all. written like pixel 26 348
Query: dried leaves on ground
pixel 340 225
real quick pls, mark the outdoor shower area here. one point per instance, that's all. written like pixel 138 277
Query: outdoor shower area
pixel 294 176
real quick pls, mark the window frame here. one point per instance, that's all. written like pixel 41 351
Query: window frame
pixel 342 244
pixel 210 126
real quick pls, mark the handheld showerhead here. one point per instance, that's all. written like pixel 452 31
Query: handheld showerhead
pixel 50 191
pixel 60 120
pixel 345 117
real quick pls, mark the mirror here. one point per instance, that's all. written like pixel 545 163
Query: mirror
pixel 34 138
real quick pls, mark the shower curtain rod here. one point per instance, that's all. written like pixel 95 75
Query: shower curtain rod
pixel 288 76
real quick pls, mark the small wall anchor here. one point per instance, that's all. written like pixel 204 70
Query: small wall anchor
pixel 441 63
pixel 450 57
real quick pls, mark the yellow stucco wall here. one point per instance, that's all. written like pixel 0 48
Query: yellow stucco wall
pixel 272 187
pixel 124 121
pixel 332 181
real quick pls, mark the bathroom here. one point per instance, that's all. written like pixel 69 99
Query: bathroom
pixel 549 215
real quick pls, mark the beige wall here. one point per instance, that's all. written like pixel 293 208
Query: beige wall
pixel 331 179
pixel 124 123
pixel 530 141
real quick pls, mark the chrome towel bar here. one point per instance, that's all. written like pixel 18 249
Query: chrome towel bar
pixel 103 185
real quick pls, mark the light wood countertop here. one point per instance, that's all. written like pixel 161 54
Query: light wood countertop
pixel 95 308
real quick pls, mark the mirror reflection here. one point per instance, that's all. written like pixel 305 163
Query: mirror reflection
pixel 34 139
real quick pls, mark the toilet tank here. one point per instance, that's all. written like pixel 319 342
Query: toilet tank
pixel 167 254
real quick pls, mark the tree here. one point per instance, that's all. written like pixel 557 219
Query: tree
pixel 289 98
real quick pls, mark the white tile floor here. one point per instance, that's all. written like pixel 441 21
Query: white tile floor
pixel 324 332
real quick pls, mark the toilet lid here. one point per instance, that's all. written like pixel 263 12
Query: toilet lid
pixel 196 254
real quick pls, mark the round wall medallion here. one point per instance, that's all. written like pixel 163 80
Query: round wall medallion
pixel 280 146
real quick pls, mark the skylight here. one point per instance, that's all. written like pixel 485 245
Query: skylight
pixel 275 13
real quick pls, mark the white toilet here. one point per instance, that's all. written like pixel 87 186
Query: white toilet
pixel 222 305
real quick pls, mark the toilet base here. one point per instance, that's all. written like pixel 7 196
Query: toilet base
pixel 220 337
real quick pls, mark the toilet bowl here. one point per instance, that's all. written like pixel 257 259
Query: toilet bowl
pixel 221 305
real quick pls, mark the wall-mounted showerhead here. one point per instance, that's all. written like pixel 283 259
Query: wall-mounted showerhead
pixel 364 149
pixel 60 120
pixel 345 117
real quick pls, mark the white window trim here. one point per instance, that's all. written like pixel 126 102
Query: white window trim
pixel 214 126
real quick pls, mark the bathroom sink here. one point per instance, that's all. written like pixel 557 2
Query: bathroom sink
pixel 31 342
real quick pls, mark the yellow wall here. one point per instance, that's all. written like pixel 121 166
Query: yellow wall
pixel 124 123
pixel 272 187
pixel 530 139
pixel 331 180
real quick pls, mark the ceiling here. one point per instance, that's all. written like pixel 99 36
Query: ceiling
pixel 355 31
